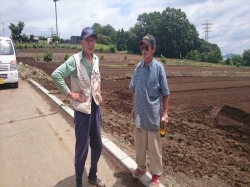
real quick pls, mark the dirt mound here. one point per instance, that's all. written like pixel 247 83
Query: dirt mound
pixel 25 60
pixel 236 114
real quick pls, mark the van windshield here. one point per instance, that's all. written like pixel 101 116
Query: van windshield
pixel 6 47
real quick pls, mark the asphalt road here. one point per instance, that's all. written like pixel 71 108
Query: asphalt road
pixel 37 142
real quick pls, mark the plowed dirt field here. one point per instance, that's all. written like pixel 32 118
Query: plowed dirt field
pixel 208 135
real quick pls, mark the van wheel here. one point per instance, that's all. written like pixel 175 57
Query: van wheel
pixel 16 85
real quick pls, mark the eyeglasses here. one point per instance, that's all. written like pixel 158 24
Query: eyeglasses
pixel 142 48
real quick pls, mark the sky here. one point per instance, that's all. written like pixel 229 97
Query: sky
pixel 229 19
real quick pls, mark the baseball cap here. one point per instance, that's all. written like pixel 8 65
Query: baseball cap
pixel 86 32
pixel 148 40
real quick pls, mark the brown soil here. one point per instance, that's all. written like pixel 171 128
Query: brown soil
pixel 208 135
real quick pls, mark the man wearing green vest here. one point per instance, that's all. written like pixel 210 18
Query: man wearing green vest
pixel 85 97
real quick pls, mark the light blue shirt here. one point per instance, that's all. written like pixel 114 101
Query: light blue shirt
pixel 149 84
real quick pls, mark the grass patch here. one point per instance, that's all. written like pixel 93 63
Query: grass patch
pixel 102 48
pixel 185 62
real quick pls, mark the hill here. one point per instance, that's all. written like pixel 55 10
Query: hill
pixel 230 55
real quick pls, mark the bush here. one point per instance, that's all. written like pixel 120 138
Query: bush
pixel 112 49
pixel 231 63
pixel 79 48
pixel 102 39
pixel 246 57
pixel 222 62
pixel 227 61
pixel 211 57
pixel 237 59
pixel 238 64
pixel 203 57
pixel 19 46
pixel 193 55
pixel 73 47
pixel 163 59
pixel 125 57
pixel 66 56
pixel 48 55
pixel 102 57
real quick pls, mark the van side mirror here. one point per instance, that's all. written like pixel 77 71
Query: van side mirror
pixel 16 51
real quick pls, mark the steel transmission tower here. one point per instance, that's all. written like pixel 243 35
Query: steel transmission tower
pixel 206 29
pixel 56 17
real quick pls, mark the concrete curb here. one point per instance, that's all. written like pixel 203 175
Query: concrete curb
pixel 112 148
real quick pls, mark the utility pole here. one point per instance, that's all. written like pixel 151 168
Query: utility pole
pixel 206 29
pixel 56 17
pixel 3 28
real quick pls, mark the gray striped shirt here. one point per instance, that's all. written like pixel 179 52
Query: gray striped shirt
pixel 149 84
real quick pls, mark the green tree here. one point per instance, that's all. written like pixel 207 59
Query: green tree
pixel 180 35
pixel 211 57
pixel 32 38
pixel 237 59
pixel 174 33
pixel 41 38
pixel 203 46
pixel 102 39
pixel 109 31
pixel 112 49
pixel 193 55
pixel 203 57
pixel 121 41
pixel 97 28
pixel 135 34
pixel 24 38
pixel 227 61
pixel 209 52
pixel 55 39
pixel 61 41
pixel 246 57
pixel 16 31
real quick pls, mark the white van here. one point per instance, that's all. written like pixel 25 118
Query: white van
pixel 8 63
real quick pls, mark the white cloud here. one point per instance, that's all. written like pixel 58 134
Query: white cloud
pixel 230 19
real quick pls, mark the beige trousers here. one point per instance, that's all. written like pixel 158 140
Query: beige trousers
pixel 151 140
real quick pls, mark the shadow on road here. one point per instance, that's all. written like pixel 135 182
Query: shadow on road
pixel 125 178
pixel 71 181
pixel 68 182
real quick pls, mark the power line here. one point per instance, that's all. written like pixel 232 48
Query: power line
pixel 234 25
pixel 232 20
pixel 206 29
pixel 234 29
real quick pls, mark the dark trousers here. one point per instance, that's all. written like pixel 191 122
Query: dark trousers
pixel 87 133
